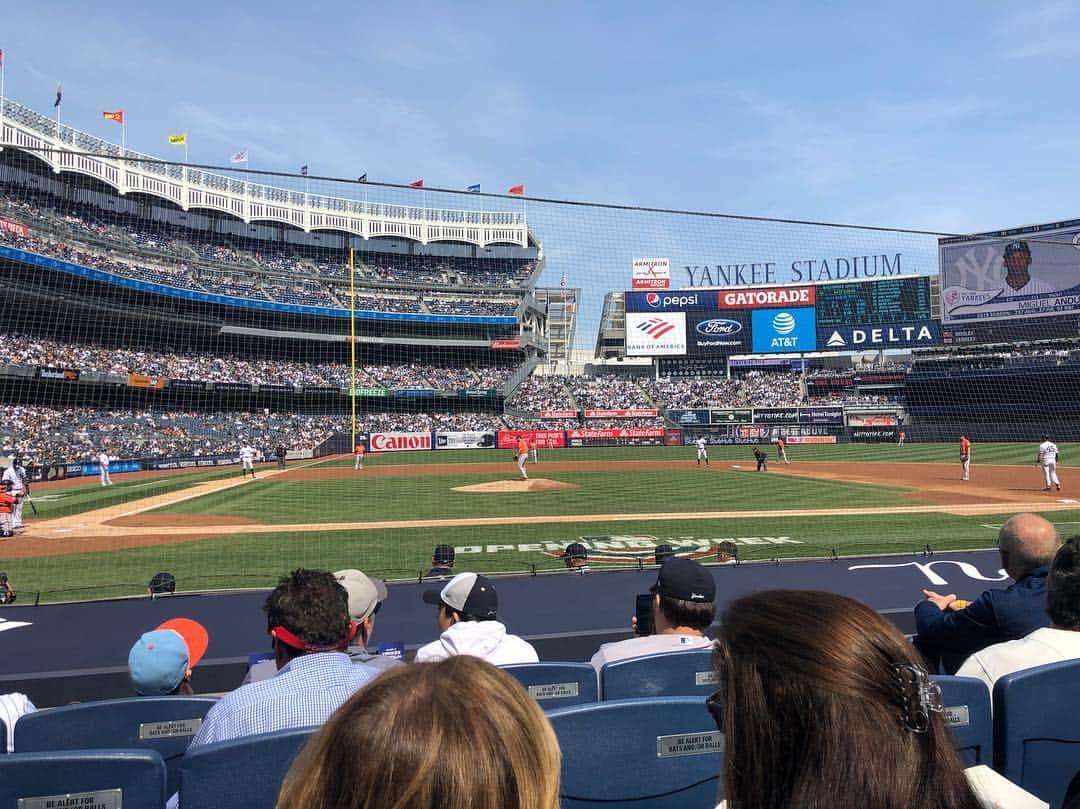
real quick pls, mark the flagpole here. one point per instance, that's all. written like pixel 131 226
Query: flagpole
pixel 123 135
pixel 3 98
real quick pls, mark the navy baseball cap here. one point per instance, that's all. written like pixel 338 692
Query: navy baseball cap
pixel 662 553
pixel 1017 247
pixel 685 580
pixel 444 554
pixel 575 550
pixel 470 594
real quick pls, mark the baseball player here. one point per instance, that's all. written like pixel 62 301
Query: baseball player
pixel 781 450
pixel 359 451
pixel 532 449
pixel 20 473
pixel 247 461
pixel 1048 457
pixel 103 465
pixel 965 456
pixel 7 506
pixel 14 483
pixel 522 456
pixel 903 435
pixel 762 460
pixel 701 451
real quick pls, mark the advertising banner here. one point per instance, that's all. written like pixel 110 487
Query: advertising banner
pixel 821 415
pixel 896 335
pixel 811 439
pixel 621 414
pixel 477 393
pixel 187 384
pixel 880 378
pixel 670 301
pixel 873 434
pixel 1011 275
pixel 505 345
pixel 398 442
pixel 655 335
pixel 187 462
pixel 755 431
pixel 144 381
pixel 114 467
pixel 476 439
pixel 415 393
pixel 627 436
pixel 783 331
pixel 273 388
pixel 7 226
pixel 651 273
pixel 729 415
pixel 689 418
pixel 61 374
pixel 722 333
pixel 871 419
pixel 673 437
pixel 545 439
pixel 766 298
pixel 237 386
pixel 776 415
pixel 825 384
pixel 370 392
pixel 322 390
pixel 558 414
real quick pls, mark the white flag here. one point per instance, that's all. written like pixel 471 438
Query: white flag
pixel 239 157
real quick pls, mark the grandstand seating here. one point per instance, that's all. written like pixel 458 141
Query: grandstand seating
pixel 659 753
pixel 3 737
pixel 557 685
pixel 967 713
pixel 164 724
pixel 1036 732
pixel 138 775
pixel 674 674
pixel 245 773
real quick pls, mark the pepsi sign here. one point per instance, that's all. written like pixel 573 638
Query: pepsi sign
pixel 667 301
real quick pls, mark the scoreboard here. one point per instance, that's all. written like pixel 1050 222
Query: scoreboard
pixel 901 300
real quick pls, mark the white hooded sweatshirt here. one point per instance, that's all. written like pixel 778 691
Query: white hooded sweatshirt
pixel 488 640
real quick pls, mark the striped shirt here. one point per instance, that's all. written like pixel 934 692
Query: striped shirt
pixel 302 694
pixel 12 706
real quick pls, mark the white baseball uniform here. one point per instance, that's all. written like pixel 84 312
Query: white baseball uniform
pixel 701 451
pixel 247 460
pixel 103 465
pixel 11 475
pixel 1048 453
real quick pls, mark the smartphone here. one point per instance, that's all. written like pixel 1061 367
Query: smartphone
pixel 643 609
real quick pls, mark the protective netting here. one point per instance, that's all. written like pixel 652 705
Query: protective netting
pixel 180 319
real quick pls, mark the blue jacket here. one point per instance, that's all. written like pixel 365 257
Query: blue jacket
pixel 994 617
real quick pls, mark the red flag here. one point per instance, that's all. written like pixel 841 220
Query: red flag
pixel 117 116
pixel 519 190
pixel 1 56
pixel 417 183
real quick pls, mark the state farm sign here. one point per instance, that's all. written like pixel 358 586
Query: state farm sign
pixel 762 298
pixel 399 442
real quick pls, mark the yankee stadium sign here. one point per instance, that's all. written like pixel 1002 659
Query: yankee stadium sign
pixel 807 270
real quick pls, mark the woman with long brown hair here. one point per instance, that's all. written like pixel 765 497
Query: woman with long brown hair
pixel 455 734
pixel 824 703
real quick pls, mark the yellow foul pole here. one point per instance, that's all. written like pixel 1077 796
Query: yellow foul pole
pixel 352 340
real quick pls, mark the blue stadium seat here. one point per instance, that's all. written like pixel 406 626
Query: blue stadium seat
pixel 3 737
pixel 967 713
pixel 672 674
pixel 139 775
pixel 1036 731
pixel 245 773
pixel 556 685
pixel 661 753
pixel 164 724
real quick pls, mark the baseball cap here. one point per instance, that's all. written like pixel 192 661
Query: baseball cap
pixel 160 659
pixel 575 550
pixel 468 593
pixel 685 580
pixel 1017 247
pixel 365 593
pixel 662 553
pixel 162 583
pixel 444 554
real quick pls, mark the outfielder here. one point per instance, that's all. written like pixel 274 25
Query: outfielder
pixel 522 456
pixel 902 436
pixel 103 466
pixel 701 451
pixel 1048 457
pixel 359 451
pixel 247 461
pixel 965 457
pixel 781 450
pixel 532 449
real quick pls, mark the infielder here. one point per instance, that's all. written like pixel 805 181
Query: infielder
pixel 103 465
pixel 532 449
pixel 781 450
pixel 359 450
pixel 247 461
pixel 701 451
pixel 522 456
pixel 1048 457
pixel 965 457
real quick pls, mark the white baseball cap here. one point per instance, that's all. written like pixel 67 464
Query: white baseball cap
pixel 365 593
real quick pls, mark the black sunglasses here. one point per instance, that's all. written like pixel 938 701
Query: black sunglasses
pixel 715 704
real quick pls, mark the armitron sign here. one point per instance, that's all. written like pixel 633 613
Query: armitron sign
pixel 651 273
pixel 399 442
pixel 759 298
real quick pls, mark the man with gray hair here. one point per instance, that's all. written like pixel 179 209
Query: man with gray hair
pixel 948 629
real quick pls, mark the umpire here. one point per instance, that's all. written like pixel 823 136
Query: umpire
pixel 762 460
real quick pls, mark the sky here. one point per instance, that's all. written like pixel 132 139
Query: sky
pixel 948 117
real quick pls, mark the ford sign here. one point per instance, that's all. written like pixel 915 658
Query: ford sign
pixel 719 327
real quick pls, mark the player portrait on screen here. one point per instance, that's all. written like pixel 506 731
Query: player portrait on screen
pixel 1016 261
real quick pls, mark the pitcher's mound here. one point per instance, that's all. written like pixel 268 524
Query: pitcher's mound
pixel 531 485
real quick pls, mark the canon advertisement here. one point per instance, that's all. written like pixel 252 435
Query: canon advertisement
pixel 398 442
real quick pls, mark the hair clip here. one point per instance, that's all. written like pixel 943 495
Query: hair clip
pixel 919 697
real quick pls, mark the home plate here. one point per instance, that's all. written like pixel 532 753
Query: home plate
pixel 735 466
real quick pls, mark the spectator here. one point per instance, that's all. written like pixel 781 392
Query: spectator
pixel 307 618
pixel 12 706
pixel 683 608
pixel 1050 644
pixel 455 734
pixel 442 562
pixel 948 632
pixel 468 606
pixel 366 596
pixel 822 702
pixel 576 557
pixel 7 590
pixel 161 584
pixel 662 553
pixel 160 663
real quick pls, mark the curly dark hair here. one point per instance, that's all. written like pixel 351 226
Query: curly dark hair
pixel 310 604
pixel 1063 586
pixel 693 614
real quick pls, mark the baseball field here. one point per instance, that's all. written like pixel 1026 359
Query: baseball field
pixel 216 530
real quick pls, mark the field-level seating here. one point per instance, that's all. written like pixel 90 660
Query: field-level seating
pixel 164 724
pixel 631 754
pixel 967 714
pixel 1037 728
pixel 97 778
pixel 244 773
pixel 672 674
pixel 556 685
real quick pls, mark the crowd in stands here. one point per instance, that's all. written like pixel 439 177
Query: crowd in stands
pixel 536 393
pixel 692 393
pixel 607 392
pixel 959 359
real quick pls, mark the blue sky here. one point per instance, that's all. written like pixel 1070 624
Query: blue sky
pixel 949 116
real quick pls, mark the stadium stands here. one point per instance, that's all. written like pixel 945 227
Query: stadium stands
pixel 124 777
pixel 967 714
pixel 556 685
pixel 672 674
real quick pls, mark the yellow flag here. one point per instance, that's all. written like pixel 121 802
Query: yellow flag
pixel 178 140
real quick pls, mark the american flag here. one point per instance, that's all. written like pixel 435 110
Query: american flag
pixel 239 157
